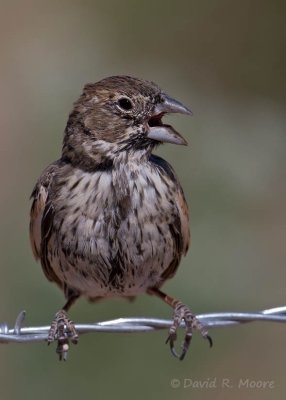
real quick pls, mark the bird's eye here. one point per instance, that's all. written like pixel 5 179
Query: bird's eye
pixel 125 104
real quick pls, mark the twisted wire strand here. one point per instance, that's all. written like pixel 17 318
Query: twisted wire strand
pixel 21 334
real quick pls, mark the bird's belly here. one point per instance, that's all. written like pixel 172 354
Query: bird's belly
pixel 103 253
pixel 124 264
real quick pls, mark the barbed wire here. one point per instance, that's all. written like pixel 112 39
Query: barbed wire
pixel 21 334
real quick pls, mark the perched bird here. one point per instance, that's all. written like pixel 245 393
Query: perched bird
pixel 109 218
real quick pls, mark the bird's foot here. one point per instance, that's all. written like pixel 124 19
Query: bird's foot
pixel 182 312
pixel 62 329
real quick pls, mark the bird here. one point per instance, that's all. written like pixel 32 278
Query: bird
pixel 109 218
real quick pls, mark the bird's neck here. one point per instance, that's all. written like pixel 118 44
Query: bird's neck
pixel 102 155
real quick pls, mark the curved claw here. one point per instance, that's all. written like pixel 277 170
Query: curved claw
pixel 171 340
pixel 208 337
pixel 186 344
pixel 182 356
pixel 74 340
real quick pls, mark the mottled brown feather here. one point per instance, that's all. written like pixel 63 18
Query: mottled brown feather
pixel 180 228
pixel 40 219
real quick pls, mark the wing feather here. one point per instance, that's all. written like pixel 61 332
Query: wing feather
pixel 41 218
pixel 179 228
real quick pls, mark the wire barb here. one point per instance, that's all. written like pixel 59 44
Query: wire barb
pixel 20 334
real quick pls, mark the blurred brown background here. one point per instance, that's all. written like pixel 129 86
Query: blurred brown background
pixel 227 61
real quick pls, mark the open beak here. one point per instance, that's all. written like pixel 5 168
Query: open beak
pixel 163 132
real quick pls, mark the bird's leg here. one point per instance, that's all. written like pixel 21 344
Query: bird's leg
pixel 62 329
pixel 181 312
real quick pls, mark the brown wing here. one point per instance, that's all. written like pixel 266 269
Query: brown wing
pixel 41 217
pixel 184 219
pixel 179 228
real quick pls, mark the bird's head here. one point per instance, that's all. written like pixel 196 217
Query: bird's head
pixel 117 116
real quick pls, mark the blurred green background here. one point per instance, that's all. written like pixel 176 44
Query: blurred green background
pixel 227 61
